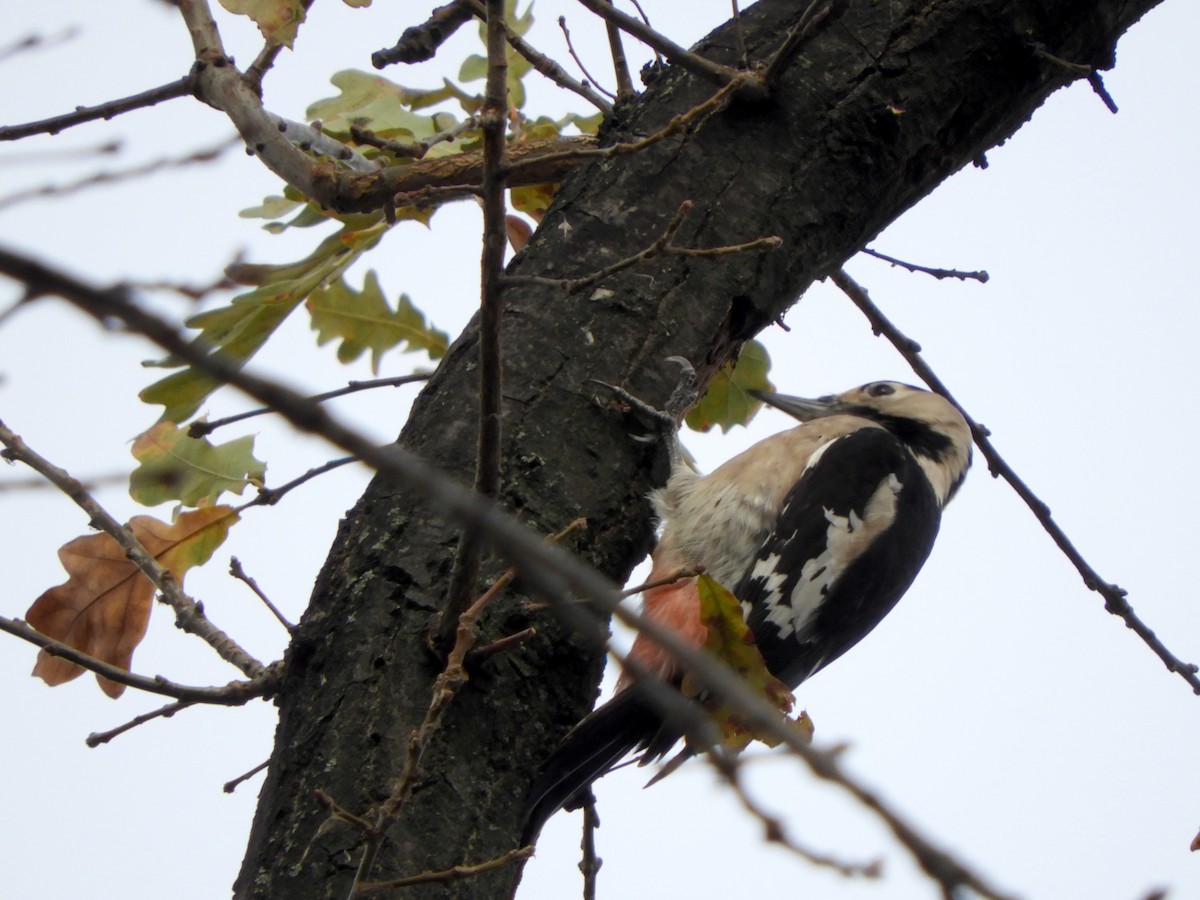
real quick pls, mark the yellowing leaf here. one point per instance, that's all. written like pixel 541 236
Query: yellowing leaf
pixel 103 609
pixel 278 20
pixel 175 466
pixel 374 102
pixel 239 330
pixel 533 199
pixel 364 321
pixel 726 402
pixel 731 641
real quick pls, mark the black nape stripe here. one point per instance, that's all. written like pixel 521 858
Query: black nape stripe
pixel 917 436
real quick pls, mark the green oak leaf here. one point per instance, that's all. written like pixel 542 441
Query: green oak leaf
pixel 239 330
pixel 191 470
pixel 726 402
pixel 362 321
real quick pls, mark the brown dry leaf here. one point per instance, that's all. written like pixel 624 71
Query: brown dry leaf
pixel 519 232
pixel 1196 842
pixel 103 609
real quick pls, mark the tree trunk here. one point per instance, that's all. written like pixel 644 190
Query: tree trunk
pixel 871 113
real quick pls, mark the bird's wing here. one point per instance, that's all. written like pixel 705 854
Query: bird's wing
pixel 852 534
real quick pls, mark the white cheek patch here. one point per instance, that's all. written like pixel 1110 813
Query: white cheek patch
pixel 846 538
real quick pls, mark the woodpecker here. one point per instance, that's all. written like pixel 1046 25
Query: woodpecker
pixel 818 531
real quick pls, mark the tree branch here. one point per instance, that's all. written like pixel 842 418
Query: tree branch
pixel 189 616
pixel 109 110
pixel 1114 597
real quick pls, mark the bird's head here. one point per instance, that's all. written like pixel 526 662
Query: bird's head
pixel 928 424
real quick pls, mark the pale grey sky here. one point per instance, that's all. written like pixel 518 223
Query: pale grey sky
pixel 999 707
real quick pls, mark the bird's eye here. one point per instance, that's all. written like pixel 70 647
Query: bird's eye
pixel 881 389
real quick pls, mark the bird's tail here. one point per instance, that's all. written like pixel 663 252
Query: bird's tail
pixel 590 749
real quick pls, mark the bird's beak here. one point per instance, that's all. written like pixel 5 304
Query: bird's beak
pixel 801 408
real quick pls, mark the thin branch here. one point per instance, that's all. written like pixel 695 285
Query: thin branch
pixel 236 570
pixel 209 154
pixel 37 42
pixel 421 42
pixel 1097 83
pixel 818 14
pixel 236 693
pixel 981 276
pixel 662 246
pixel 269 53
pixel 181 88
pixel 547 570
pixel 562 24
pixel 493 120
pixel 445 687
pixel 230 786
pixel 546 66
pixel 620 63
pixel 590 864
pixel 670 578
pixel 675 54
pixel 412 149
pixel 203 429
pixel 270 496
pixel 454 873
pixel 729 768
pixel 188 614
pixel 96 738
pixel 576 155
pixel 1114 597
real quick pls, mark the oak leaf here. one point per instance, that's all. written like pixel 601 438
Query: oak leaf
pixel 727 402
pixel 176 466
pixel 104 608
pixel 363 321
pixel 239 330
pixel 731 641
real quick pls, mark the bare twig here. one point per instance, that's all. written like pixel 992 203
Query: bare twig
pixel 236 570
pixel 1097 83
pixel 546 66
pixel 421 42
pixel 662 246
pixel 671 578
pixel 96 738
pixel 1114 597
pixel 620 63
pixel 562 24
pixel 181 88
pixel 230 786
pixel 981 276
pixel 271 496
pixel 445 687
pixel 36 42
pixel 774 832
pixel 454 873
pixel 236 693
pixel 202 429
pixel 590 864
pixel 675 54
pixel 209 154
pixel 548 570
pixel 188 614
pixel 576 155
pixel 493 120
pixel 818 13
pixel 269 53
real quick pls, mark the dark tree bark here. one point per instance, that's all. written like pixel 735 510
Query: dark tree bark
pixel 871 114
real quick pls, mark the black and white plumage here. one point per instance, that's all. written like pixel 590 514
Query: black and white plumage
pixel 818 530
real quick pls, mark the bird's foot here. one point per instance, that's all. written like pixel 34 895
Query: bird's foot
pixel 666 420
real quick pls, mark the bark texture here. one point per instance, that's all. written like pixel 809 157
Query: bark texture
pixel 871 114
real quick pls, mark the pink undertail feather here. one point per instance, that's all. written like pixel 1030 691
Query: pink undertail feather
pixel 626 723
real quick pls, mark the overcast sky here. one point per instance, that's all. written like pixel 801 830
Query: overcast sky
pixel 999 707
